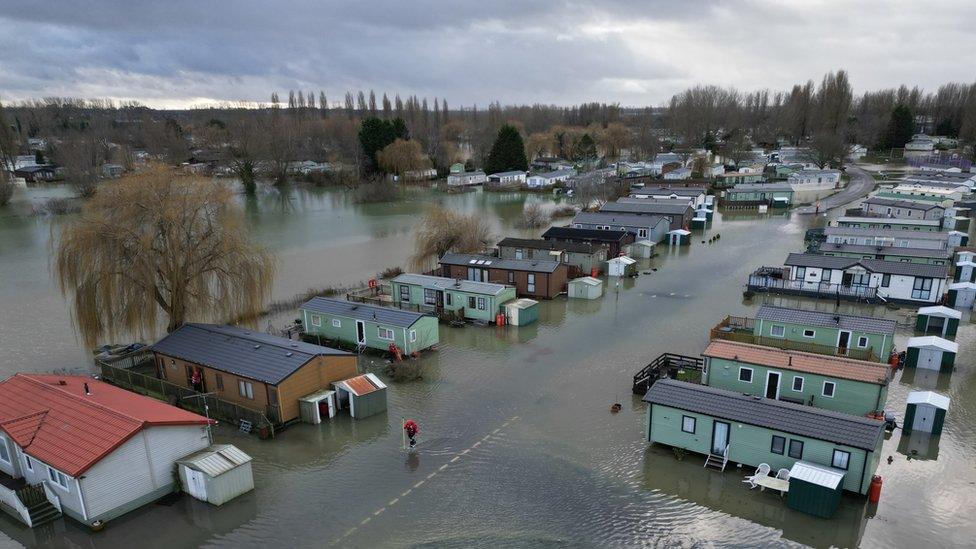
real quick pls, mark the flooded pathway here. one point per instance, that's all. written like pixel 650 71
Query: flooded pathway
pixel 518 446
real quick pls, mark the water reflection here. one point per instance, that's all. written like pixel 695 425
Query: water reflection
pixel 919 445
pixel 688 480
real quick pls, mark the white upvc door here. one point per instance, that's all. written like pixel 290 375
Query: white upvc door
pixel 195 484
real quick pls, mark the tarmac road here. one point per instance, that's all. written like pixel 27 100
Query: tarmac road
pixel 859 186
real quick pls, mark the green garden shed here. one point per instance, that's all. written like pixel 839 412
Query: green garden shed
pixel 925 412
pixel 815 489
pixel 679 237
pixel 521 312
pixel 363 395
pixel 931 353
pixel 962 295
pixel 938 320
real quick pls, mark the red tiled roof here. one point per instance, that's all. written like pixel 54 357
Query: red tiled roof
pixel 799 361
pixel 52 418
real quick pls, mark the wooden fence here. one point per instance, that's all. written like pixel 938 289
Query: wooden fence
pixel 165 390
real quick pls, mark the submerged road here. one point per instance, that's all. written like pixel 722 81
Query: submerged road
pixel 859 186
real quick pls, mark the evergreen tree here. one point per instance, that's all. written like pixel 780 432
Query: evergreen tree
pixel 585 148
pixel 901 127
pixel 508 152
pixel 375 134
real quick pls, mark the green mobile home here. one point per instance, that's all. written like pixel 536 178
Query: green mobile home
pixel 477 301
pixel 839 333
pixel 939 320
pixel 752 430
pixel 839 384
pixel 371 326
pixel 856 222
pixel 776 195
pixel 927 256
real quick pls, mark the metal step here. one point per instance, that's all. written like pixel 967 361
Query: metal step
pixel 43 513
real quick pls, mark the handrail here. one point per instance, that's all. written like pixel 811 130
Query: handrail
pixel 52 497
pixel 10 498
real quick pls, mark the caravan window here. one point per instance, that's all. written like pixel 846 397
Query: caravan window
pixel 777 331
pixel 384 333
pixel 316 320
pixel 336 323
pixel 471 302
pixel 57 477
pixel 922 288
pixel 430 296
pixel 245 389
pixel 642 233
pixel 405 294
pixel 481 304
pixel 841 459
pixel 531 285
pixel 4 454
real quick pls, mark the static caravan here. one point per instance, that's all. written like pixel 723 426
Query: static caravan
pixel 840 384
pixel 750 430
pixel 938 320
pixel 931 353
pixel 475 301
pixel 915 225
pixel 369 326
pixel 925 412
pixel 929 256
pixel 856 336
pixel 586 287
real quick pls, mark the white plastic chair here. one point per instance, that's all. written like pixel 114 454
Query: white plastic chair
pixel 783 474
pixel 761 471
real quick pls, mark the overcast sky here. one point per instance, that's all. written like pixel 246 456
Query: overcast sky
pixel 636 52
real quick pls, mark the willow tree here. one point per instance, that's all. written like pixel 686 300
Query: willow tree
pixel 441 231
pixel 158 245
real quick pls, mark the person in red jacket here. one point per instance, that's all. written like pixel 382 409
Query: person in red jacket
pixel 411 427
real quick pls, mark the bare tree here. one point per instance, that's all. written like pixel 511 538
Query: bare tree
pixel 442 230
pixel 401 157
pixel 159 243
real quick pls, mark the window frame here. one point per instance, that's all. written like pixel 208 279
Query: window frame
pixel 751 374
pixel 802 383
pixel 530 285
pixel 772 445
pixel 430 296
pixel 380 331
pixel 885 280
pixel 694 424
pixel 4 451
pixel 219 380
pixel 58 478
pixel 482 304
pixel 316 320
pixel 847 460
pixel 833 389
pixel 800 273
pixel 245 389
pixel 789 449
pixel 336 323
pixel 867 342
pixel 404 293
pixel 782 328
pixel 413 336
pixel 813 333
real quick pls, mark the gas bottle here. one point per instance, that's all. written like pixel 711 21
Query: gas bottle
pixel 874 492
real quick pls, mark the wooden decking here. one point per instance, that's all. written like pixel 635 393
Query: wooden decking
pixel 771 284
pixel 665 365
pixel 740 329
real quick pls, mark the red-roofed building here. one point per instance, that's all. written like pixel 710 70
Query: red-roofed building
pixel 97 450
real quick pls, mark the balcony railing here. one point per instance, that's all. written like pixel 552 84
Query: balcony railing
pixel 818 289
pixel 734 329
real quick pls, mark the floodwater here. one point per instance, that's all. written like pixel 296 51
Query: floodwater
pixel 518 446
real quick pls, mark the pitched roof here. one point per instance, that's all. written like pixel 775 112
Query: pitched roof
pixel 658 190
pixel 487 261
pixel 362 311
pixel 873 265
pixel 907 204
pixel 552 245
pixel 855 323
pixel 753 187
pixel 619 219
pixel 216 460
pixel 799 361
pixel 889 221
pixel 870 231
pixel 585 234
pixel 443 283
pixel 928 253
pixel 362 385
pixel 797 419
pixel 254 355
pixel 646 206
pixel 940 310
pixel 62 426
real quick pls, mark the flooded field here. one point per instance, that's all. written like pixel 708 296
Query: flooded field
pixel 518 446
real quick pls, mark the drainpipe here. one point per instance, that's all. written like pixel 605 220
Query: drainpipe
pixel 864 469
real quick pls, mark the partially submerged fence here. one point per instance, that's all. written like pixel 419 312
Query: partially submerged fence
pixel 188 398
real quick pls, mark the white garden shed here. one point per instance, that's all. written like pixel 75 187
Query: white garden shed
pixel 216 474
pixel 931 353
pixel 621 266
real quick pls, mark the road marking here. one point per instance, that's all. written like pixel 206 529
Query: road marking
pixel 420 483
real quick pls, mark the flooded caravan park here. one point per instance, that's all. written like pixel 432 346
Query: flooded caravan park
pixel 518 447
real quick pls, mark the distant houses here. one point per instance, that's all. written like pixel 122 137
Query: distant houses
pixel 678 213
pixel 887 253
pixel 582 257
pixel 858 222
pixel 775 195
pixel 616 240
pixel 465 179
pixel 902 209
pixel 548 179
pixel 814 179
pixel 505 179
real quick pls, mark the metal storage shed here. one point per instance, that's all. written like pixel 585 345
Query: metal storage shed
pixel 815 489
pixel 931 353
pixel 317 406
pixel 643 249
pixel 925 412
pixel 586 287
pixel 217 474
pixel 622 266
pixel 363 395
pixel 679 237
pixel 938 320
pixel 962 295
pixel 521 312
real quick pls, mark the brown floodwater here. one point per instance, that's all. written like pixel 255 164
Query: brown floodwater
pixel 518 446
